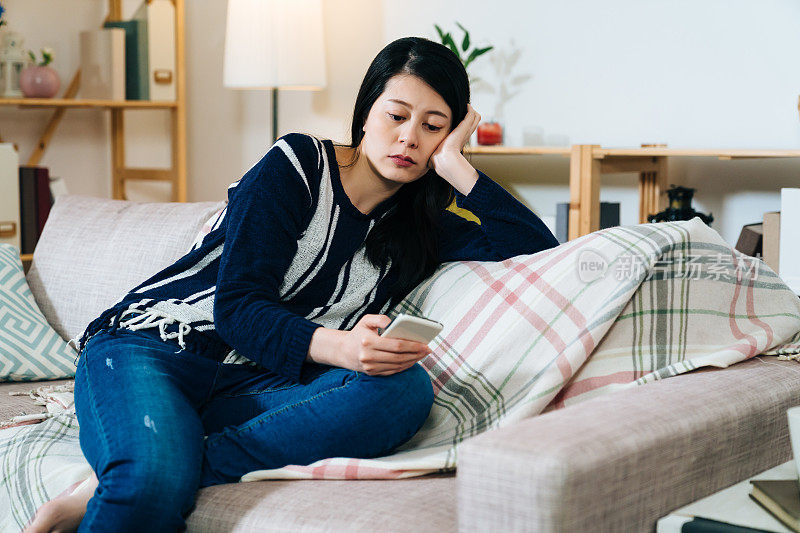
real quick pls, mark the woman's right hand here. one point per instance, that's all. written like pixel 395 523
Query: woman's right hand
pixel 363 350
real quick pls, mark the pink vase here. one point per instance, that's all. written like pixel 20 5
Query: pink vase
pixel 39 82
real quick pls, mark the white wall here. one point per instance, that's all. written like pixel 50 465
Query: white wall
pixel 711 74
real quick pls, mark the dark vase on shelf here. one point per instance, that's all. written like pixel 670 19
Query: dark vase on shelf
pixel 680 207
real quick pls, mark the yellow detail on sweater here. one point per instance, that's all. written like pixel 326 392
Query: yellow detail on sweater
pixel 464 213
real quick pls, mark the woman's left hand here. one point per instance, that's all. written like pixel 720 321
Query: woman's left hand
pixel 448 161
pixel 455 141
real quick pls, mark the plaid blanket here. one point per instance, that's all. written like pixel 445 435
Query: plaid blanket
pixel 614 309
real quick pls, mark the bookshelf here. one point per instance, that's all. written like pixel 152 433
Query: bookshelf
pixel 120 173
pixel 588 162
pixel 175 175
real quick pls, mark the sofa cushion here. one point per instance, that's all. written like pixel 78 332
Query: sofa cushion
pixel 29 348
pixel 92 251
pixel 419 504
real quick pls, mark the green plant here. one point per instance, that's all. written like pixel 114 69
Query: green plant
pixel 448 41
pixel 47 57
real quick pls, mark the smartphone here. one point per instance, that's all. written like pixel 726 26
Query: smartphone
pixel 412 328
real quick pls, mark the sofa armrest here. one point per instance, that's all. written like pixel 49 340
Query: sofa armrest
pixel 620 461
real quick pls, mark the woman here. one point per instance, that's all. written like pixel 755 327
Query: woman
pixel 316 244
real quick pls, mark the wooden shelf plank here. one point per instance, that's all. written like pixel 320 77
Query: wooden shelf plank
pixel 600 153
pixel 154 174
pixel 518 150
pixel 103 104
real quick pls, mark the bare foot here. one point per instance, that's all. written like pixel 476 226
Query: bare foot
pixel 63 513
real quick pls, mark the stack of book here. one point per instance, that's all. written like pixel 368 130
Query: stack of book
pixel 768 502
pixel 781 497
pixel 131 59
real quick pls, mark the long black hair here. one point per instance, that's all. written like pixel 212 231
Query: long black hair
pixel 407 234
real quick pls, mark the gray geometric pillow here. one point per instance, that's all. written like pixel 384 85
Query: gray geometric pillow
pixel 30 349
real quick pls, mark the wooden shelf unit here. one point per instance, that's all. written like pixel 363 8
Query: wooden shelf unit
pixel 176 174
pixel 588 162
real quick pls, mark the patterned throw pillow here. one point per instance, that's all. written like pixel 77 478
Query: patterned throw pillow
pixel 30 349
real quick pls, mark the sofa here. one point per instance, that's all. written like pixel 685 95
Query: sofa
pixel 615 462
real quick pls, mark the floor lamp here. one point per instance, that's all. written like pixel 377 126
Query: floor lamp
pixel 272 44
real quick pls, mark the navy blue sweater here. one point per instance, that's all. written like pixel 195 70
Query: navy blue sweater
pixel 287 256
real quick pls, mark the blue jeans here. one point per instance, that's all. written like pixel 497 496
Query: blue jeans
pixel 157 425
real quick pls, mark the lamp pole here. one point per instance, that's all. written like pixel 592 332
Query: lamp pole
pixel 274 114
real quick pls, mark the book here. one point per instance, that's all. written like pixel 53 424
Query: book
pixel 781 497
pixel 27 209
pixel 136 82
pixel 728 508
pixel 750 239
pixel 704 525
pixel 609 214
pixel 9 195
pixel 771 243
pixel 44 200
pixel 35 201
pixel 103 64
pixel 562 222
pixel 609 217
pixel 789 260
pixel 159 19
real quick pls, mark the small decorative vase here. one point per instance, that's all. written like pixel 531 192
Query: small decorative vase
pixel 490 133
pixel 39 82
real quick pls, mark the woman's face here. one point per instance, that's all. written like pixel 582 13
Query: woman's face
pixel 409 119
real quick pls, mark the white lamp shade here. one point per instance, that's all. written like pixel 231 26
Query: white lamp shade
pixel 274 43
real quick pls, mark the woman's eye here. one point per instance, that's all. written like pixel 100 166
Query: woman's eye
pixel 398 118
